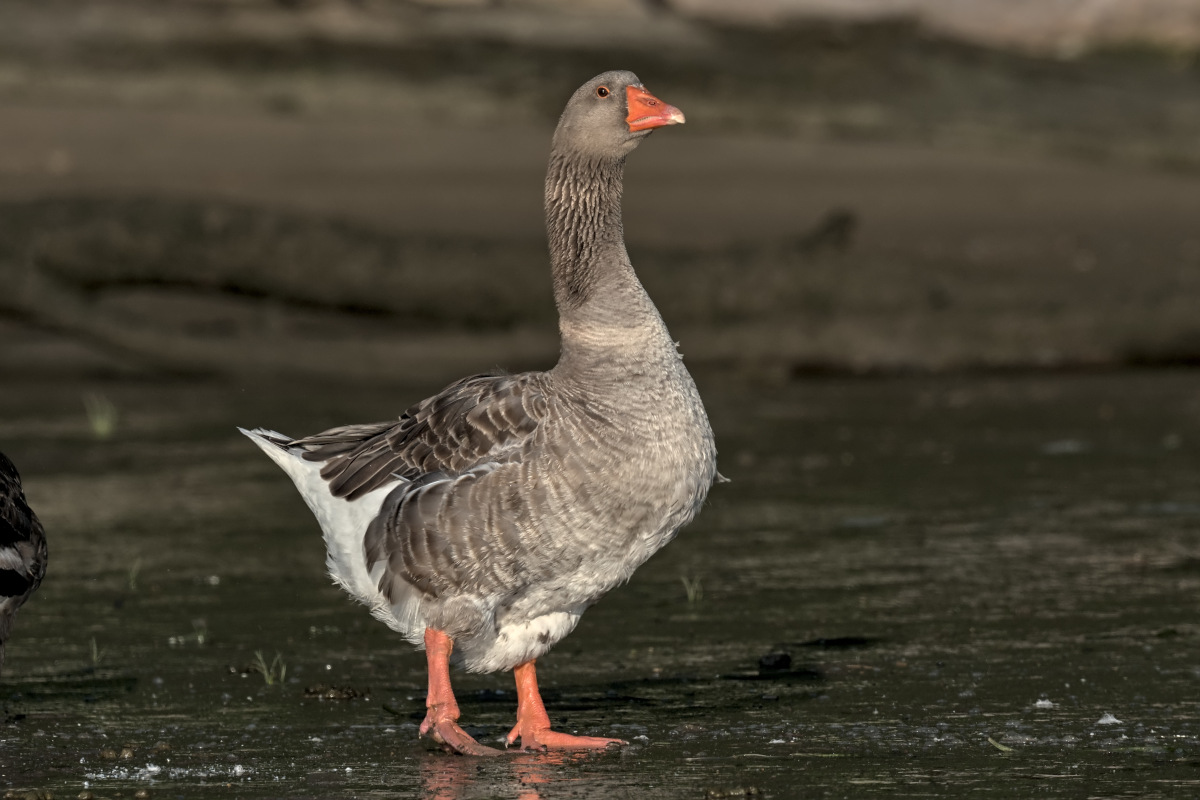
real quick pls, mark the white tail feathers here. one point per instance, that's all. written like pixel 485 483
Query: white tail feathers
pixel 343 522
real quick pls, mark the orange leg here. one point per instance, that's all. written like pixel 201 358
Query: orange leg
pixel 441 716
pixel 533 723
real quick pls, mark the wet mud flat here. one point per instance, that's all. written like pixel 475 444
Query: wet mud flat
pixel 914 586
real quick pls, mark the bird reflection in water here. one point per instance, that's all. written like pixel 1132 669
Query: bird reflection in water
pixel 518 776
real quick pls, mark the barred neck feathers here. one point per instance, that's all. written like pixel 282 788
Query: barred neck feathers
pixel 583 223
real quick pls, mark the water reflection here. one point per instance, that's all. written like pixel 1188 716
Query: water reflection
pixel 520 775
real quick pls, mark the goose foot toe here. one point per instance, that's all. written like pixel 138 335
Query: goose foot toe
pixel 546 739
pixel 454 739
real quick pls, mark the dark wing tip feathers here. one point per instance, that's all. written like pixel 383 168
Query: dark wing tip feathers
pixel 452 431
pixel 467 422
pixel 274 437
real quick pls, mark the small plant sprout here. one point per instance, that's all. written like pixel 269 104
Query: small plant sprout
pixel 97 653
pixel 102 415
pixel 134 569
pixel 694 589
pixel 199 635
pixel 200 631
pixel 272 673
pixel 1003 748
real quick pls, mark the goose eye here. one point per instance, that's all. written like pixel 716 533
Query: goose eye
pixel 602 91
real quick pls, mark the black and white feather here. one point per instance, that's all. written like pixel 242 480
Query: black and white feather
pixel 23 551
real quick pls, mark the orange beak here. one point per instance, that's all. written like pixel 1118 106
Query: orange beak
pixel 646 111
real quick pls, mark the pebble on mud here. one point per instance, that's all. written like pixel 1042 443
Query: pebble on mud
pixel 327 692
pixel 775 662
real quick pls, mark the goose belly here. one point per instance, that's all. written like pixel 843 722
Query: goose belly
pixel 516 642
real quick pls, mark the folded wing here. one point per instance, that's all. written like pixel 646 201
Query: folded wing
pixel 477 419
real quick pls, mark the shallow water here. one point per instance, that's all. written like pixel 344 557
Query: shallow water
pixel 984 584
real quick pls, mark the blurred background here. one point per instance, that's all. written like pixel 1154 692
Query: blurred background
pixel 353 188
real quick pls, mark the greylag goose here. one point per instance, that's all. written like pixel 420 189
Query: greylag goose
pixel 22 549
pixel 484 522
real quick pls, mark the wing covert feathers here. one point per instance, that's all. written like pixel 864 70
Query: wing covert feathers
pixel 473 420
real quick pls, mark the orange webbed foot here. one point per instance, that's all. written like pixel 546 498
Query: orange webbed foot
pixel 452 738
pixel 441 716
pixel 533 724
pixel 546 739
